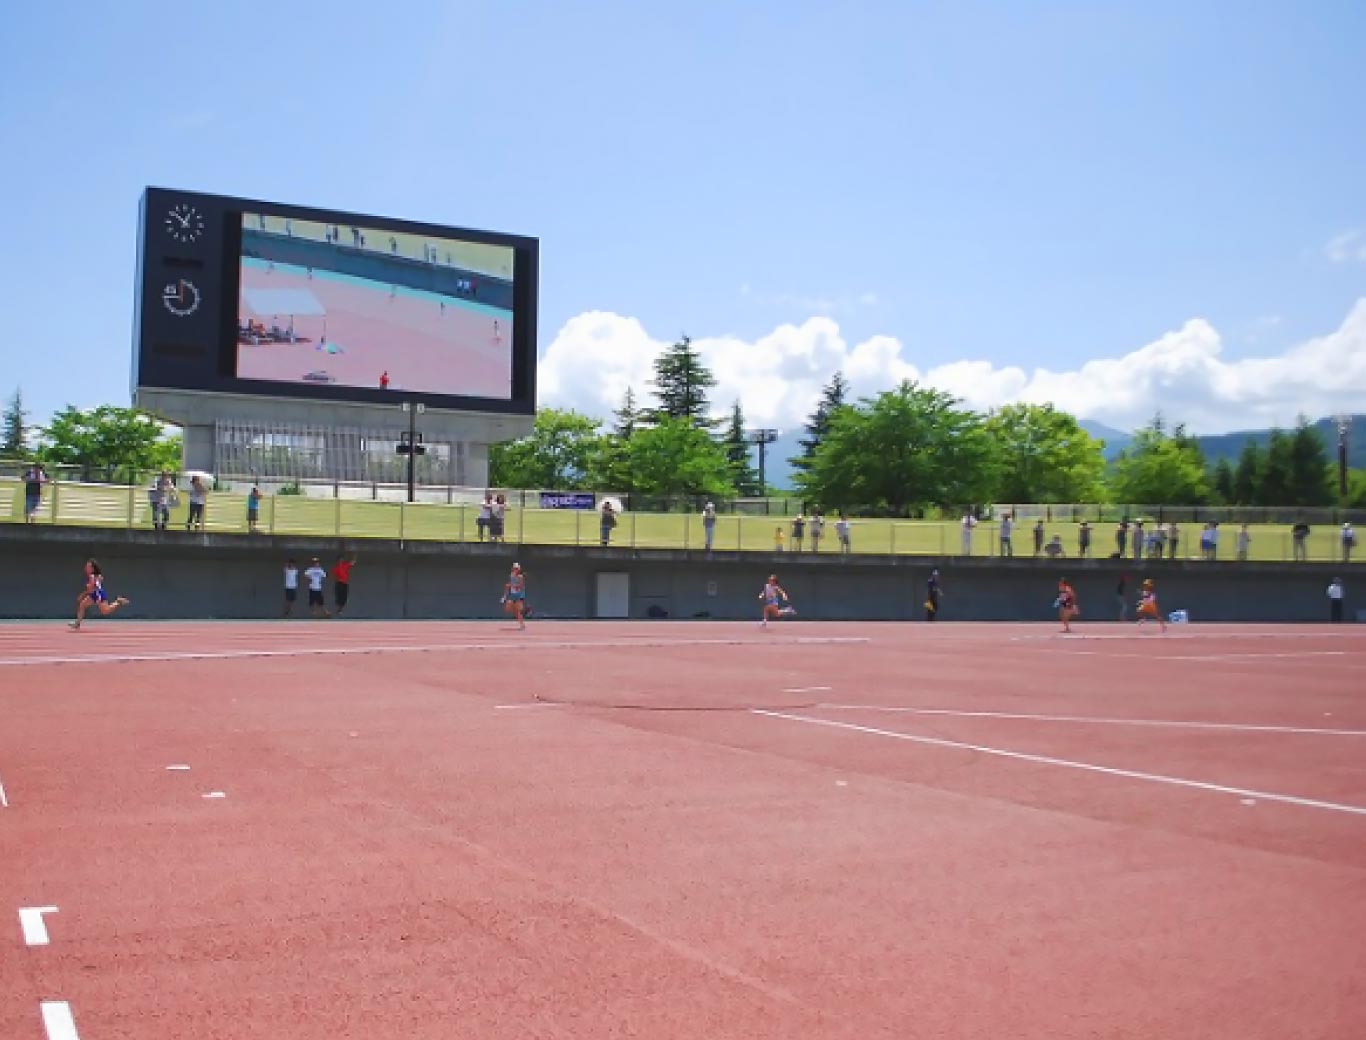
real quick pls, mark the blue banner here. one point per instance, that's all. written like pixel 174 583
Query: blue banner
pixel 568 500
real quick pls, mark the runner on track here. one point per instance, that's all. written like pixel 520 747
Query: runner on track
pixel 514 595
pixel 1147 605
pixel 777 603
pixel 94 595
pixel 1066 604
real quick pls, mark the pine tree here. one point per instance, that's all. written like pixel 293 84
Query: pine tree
pixel 833 397
pixel 1247 474
pixel 1223 482
pixel 1311 479
pixel 13 442
pixel 626 417
pixel 738 454
pixel 681 383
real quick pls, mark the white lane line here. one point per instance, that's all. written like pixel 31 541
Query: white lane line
pixel 530 704
pixel 1235 727
pixel 178 769
pixel 808 689
pixel 1293 654
pixel 4 798
pixel 226 655
pixel 58 1021
pixel 32 924
pixel 1066 763
pixel 215 794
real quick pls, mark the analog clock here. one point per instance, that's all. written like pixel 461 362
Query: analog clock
pixel 184 223
pixel 181 298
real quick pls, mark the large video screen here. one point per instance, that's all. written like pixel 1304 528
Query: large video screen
pixel 344 305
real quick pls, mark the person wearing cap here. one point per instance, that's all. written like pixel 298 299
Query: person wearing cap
pixel 709 524
pixel 1349 541
pixel 1335 601
pixel 316 576
pixel 514 595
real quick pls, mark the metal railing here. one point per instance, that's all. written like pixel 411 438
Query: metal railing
pixel 114 506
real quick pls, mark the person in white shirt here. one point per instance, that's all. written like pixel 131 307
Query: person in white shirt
pixel 969 522
pixel 842 532
pixel 1007 530
pixel 1335 601
pixel 1349 541
pixel 1244 542
pixel 291 585
pixel 316 576
pixel 709 524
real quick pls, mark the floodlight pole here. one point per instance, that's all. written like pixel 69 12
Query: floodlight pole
pixel 763 438
pixel 413 410
pixel 1344 424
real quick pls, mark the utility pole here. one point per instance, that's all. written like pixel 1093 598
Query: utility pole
pixel 763 438
pixel 1344 424
pixel 410 444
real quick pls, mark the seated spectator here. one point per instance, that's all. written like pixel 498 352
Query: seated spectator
pixel 1054 548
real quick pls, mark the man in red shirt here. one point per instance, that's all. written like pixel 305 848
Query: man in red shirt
pixel 341 574
pixel 384 380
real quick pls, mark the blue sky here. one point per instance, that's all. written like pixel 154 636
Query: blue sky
pixel 1031 185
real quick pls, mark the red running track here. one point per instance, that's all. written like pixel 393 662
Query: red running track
pixel 815 831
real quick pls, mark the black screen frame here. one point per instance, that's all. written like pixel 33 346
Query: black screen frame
pixel 200 353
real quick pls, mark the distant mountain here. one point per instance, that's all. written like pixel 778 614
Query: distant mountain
pixel 1115 440
pixel 1230 445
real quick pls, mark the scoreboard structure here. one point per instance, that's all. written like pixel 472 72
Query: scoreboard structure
pixel 308 323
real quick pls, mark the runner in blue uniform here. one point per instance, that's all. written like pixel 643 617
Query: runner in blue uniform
pixel 94 595
pixel 514 595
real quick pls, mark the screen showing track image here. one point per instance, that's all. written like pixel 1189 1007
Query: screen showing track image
pixel 365 307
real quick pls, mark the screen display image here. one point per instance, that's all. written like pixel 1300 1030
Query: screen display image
pixel 342 305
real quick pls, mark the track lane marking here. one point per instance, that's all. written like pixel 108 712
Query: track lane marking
pixel 1065 763
pixel 33 926
pixel 58 1020
pixel 1236 727
pixel 511 644
pixel 4 798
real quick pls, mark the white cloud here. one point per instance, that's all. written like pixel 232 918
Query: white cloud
pixel 1346 247
pixel 778 377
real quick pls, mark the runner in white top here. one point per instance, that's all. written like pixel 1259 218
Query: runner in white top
pixel 291 585
pixel 776 601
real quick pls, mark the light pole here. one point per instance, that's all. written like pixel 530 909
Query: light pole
pixel 763 438
pixel 1344 425
pixel 410 444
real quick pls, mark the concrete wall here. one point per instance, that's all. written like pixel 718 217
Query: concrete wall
pixel 179 575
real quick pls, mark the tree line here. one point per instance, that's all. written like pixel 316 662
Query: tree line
pixel 899 452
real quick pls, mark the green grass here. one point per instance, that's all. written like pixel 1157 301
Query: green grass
pixel 110 506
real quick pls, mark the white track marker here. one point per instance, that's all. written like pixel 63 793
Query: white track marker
pixel 1234 727
pixel 808 689
pixel 34 928
pixel 328 651
pixel 178 769
pixel 1273 655
pixel 57 1020
pixel 215 794
pixel 530 704
pixel 1065 763
pixel 4 799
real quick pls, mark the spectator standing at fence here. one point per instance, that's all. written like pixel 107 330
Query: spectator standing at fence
pixel 1038 537
pixel 253 509
pixel 1173 540
pixel 1007 530
pixel 316 576
pixel 484 521
pixel 291 586
pixel 798 532
pixel 198 495
pixel 969 525
pixel 1244 542
pixel 933 592
pixel 1157 542
pixel 1299 537
pixel 1137 533
pixel 1084 539
pixel 499 520
pixel 607 521
pixel 34 479
pixel 1349 541
pixel 778 539
pixel 1335 601
pixel 160 498
pixel 817 529
pixel 842 533
pixel 341 582
pixel 1122 537
pixel 1209 541
pixel 709 524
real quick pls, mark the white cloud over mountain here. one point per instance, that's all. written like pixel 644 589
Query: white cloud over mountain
pixel 778 377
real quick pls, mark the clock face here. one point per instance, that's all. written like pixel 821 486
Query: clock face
pixel 184 223
pixel 181 297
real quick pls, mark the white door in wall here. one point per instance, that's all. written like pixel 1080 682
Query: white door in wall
pixel 614 595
